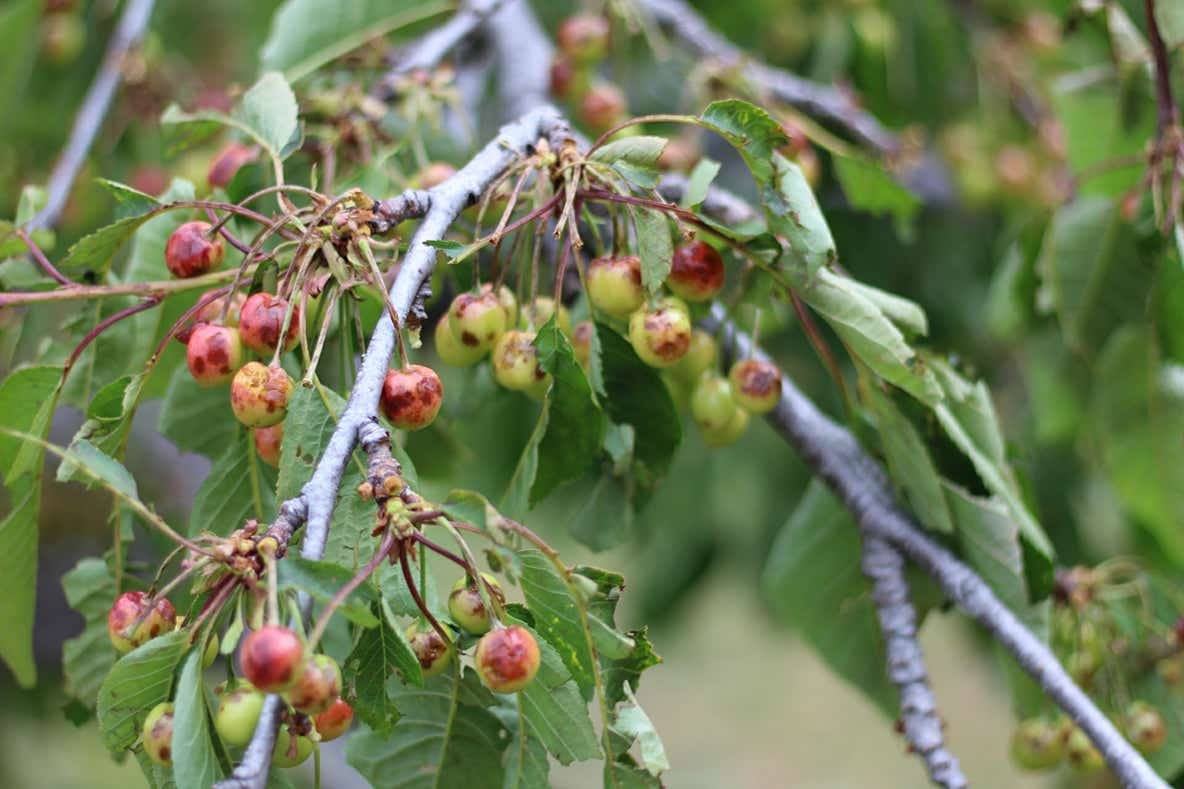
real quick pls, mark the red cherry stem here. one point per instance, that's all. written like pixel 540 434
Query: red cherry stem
pixel 186 316
pixel 418 598
pixel 440 549
pixel 105 324
pixel 219 227
pixel 384 549
pixel 41 260
pixel 218 597
pixel 820 346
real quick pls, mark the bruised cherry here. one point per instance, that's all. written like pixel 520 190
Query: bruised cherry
pixel 239 706
pixel 157 734
pixel 191 251
pixel 432 651
pixel 536 314
pixel 581 342
pixel 583 37
pixel 411 397
pixel 335 721
pixel 434 174
pixel 290 750
pixel 214 354
pixel 466 607
pixel 1144 727
pixel 516 363
pixel 134 620
pixel 614 284
pixel 451 350
pixel 756 385
pixel 507 659
pixel 660 335
pixel 1038 744
pixel 229 161
pixel 477 320
pixel 268 443
pixel 603 107
pixel 272 658
pixel 261 320
pixel 319 684
pixel 696 271
pixel 259 394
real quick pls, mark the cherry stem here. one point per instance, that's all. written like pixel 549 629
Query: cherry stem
pixel 105 324
pixel 220 229
pixel 384 548
pixel 418 598
pixel 273 589
pixel 820 347
pixel 215 602
pixel 440 549
pixel 41 260
pixel 181 576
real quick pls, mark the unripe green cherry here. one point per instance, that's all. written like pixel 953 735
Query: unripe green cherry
pixel 614 285
pixel 756 385
pixel 134 620
pixel 239 705
pixel 516 363
pixel 432 651
pixel 660 336
pixel 259 394
pixel 290 751
pixel 536 314
pixel 466 607
pixel 335 721
pixel 729 433
pixel 213 354
pixel 1038 744
pixel 1081 753
pixel 452 351
pixel 157 734
pixel 319 684
pixel 507 659
pixel 507 299
pixel 411 397
pixel 696 271
pixel 477 320
pixel 268 443
pixel 712 403
pixel 1144 727
pixel 702 355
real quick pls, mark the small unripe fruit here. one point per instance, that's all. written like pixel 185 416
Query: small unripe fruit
pixel 603 107
pixel 434 174
pixel 229 161
pixel 272 658
pixel 191 251
pixel 432 651
pixel 729 433
pixel 268 443
pixel 451 350
pixel 261 320
pixel 259 394
pixel 477 320
pixel 507 299
pixel 214 354
pixel 411 397
pixel 1038 744
pixel 581 342
pixel 239 705
pixel 660 336
pixel 131 622
pixel 157 734
pixel 319 684
pixel 335 721
pixel 701 356
pixel 1144 727
pixel 583 37
pixel 614 284
pixel 515 363
pixel 1081 753
pixel 696 271
pixel 290 751
pixel 756 385
pixel 63 37
pixel 466 607
pixel 712 403
pixel 536 314
pixel 507 659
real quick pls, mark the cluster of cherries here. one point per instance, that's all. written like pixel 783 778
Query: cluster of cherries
pixel 275 659
pixel 583 42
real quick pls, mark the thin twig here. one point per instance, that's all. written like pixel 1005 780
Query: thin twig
pixel 409 579
pixel 103 325
pixel 1168 114
pixel 41 260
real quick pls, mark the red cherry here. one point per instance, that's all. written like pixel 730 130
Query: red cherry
pixel 191 251
pixel 272 658
pixel 507 659
pixel 411 397
pixel 214 354
pixel 335 721
pixel 268 442
pixel 130 622
pixel 262 318
pixel 229 161
pixel 696 272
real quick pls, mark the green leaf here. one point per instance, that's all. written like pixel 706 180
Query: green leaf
pixel 131 201
pixel 558 718
pixel 623 675
pixel 195 763
pixel 642 150
pixel 378 654
pixel 813 583
pixel 869 187
pixel 907 315
pixel 633 724
pixel 87 657
pixel 307 429
pixel 653 246
pixel 108 422
pixel 27 399
pixel 526 764
pixel 699 182
pixel 517 499
pixel 20 38
pixel 94 252
pixel 751 130
pixel 322 580
pixel 138 682
pixel 267 113
pixel 443 739
pixel 1170 17
pixel 239 486
pixel 575 424
pixel 194 417
pixel 307 34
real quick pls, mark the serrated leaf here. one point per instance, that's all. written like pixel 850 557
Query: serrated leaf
pixel 751 130
pixel 138 682
pixel 380 652
pixel 631 722
pixel 88 656
pixel 869 187
pixel 526 763
pixel 557 616
pixel 906 314
pixel 307 429
pixel 194 417
pixel 195 763
pixel 129 200
pixel 239 486
pixel 642 149
pixel 323 580
pixel 93 252
pixel 108 421
pixel 267 113
pixel 96 466
pixel 654 247
pixel 558 718
pixel 624 674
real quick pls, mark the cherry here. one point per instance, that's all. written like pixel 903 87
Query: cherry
pixel 1144 727
pixel 614 284
pixel 290 751
pixel 211 311
pixel 335 721
pixel 507 299
pixel 214 354
pixel 1037 744
pixel 268 443
pixel 451 350
pixel 272 658
pixel 430 648
pixel 581 342
pixel 696 271
pixel 229 161
pixel 319 684
pixel 477 320
pixel 660 335
pixel 713 404
pixel 62 37
pixel 680 154
pixel 149 179
pixel 466 607
pixel 507 659
pixel 134 620
pixel 603 107
pixel 562 76
pixel 259 394
pixel 756 385
pixel 434 174
pixel 411 397
pixel 191 251
pixel 700 357
pixel 516 364
pixel 729 433
pixel 583 37
pixel 239 705
pixel 157 733
pixel 536 314
pixel 1081 753
pixel 262 318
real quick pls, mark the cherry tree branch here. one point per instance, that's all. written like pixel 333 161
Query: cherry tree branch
pixel 89 119
pixel 319 495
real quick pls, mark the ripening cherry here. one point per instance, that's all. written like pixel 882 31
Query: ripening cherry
pixel 319 684
pixel 1038 744
pixel 713 404
pixel 268 443
pixel 516 366
pixel 696 271
pixel 1144 727
pixel 583 37
pixel 157 734
pixel 561 77
pixel 192 251
pixel 536 314
pixel 660 335
pixel 477 320
pixel 507 659
pixel 603 107
pixel 729 433
pixel 581 342
pixel 290 751
pixel 434 174
pixel 261 320
pixel 411 397
pixel 259 394
pixel 432 651
pixel 214 354
pixel 229 161
pixel 507 299
pixel 239 706
pixel 756 385
pixel 614 284
pixel 335 721
pixel 1081 753
pixel 272 658
pixel 701 356
pixel 134 620
pixel 466 607
pixel 451 350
